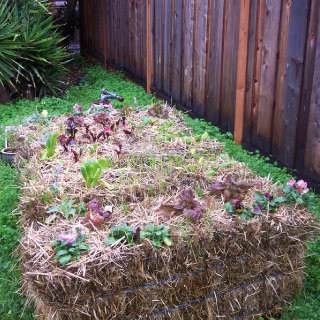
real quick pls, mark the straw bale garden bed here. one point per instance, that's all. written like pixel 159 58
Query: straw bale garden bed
pixel 127 214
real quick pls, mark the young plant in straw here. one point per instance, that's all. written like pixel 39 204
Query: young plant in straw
pixel 70 246
pixel 51 143
pixel 92 169
pixel 158 235
pixel 122 233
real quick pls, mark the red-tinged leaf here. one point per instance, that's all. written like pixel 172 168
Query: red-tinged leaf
pixel 216 187
pixel 95 206
pixel 167 210
pixel 127 131
pixel 75 156
pixel 62 139
pixel 70 141
pixel 90 134
pixel 101 117
pixel 96 219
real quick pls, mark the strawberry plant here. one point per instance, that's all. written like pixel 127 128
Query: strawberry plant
pixel 158 235
pixel 122 232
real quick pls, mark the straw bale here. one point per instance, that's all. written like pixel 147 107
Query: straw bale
pixel 220 267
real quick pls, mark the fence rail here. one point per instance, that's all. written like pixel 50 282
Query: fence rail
pixel 251 67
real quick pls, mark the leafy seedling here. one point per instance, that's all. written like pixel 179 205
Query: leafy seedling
pixel 266 202
pixel 158 235
pixel 66 209
pixel 51 143
pixel 188 206
pixel 158 110
pixel 70 247
pixel 92 169
pixel 236 207
pixel 122 233
pixel 230 188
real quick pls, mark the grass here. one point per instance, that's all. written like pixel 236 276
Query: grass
pixel 306 306
pixel 11 303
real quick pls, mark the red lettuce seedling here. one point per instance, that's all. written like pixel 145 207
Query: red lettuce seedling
pixel 96 213
pixel 65 141
pixel 96 206
pixel 119 146
pixel 71 123
pixel 128 132
pixel 230 188
pixel 157 110
pixel 101 118
pixel 188 205
pixel 62 139
pixel 105 133
pixel 75 155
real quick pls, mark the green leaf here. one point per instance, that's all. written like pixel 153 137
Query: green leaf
pixel 61 253
pixel 110 240
pixel 167 241
pixel 157 243
pixel 65 259
pixel 103 163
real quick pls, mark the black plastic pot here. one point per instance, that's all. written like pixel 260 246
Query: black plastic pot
pixel 7 155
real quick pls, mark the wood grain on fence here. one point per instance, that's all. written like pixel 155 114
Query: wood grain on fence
pixel 249 66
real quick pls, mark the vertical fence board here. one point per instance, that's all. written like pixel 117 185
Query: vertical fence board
pixel 312 155
pixel 283 42
pixel 247 130
pixel 260 21
pixel 147 49
pixel 199 57
pixel 304 112
pixel 166 47
pixel 138 47
pixel 177 50
pixel 187 43
pixel 265 109
pixel 229 64
pixel 215 21
pixel 157 44
pixel 143 40
pixel 287 120
pixel 241 70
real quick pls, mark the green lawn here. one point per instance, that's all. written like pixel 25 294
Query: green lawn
pixel 305 307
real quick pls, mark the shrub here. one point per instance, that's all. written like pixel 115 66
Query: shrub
pixel 29 47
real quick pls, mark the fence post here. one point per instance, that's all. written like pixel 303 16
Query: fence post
pixel 241 70
pixel 105 28
pixel 148 55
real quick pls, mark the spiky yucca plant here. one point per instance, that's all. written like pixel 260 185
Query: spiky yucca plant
pixel 30 50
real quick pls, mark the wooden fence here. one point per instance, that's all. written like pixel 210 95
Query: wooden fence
pixel 251 67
